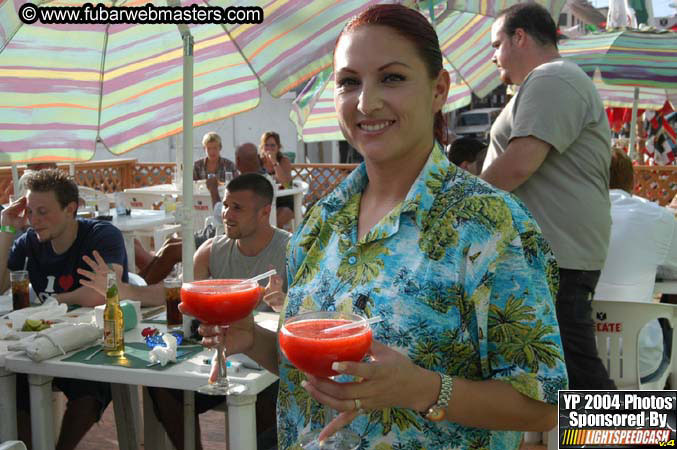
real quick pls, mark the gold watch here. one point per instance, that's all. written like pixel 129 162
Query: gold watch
pixel 438 411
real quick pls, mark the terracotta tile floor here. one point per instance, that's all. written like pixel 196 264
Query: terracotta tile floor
pixel 103 435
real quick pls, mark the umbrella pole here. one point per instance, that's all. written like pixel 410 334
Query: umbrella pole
pixel 188 247
pixel 634 154
pixel 15 179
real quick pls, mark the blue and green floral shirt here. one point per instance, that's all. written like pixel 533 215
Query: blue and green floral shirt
pixel 464 280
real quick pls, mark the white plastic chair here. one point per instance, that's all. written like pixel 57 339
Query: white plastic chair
pixel 135 279
pixel 151 201
pixel 92 198
pixel 12 445
pixel 618 345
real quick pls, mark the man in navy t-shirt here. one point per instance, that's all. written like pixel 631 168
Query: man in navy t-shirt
pixel 53 248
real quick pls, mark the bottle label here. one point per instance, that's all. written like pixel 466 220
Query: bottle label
pixel 109 338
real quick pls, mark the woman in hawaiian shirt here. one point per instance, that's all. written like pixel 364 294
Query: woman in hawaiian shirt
pixel 213 163
pixel 458 270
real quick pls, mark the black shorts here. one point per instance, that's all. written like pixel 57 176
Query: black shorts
pixel 286 201
pixel 73 390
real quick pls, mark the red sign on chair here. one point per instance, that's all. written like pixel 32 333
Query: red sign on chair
pixel 609 327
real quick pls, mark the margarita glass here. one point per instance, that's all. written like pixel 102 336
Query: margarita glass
pixel 312 350
pixel 220 302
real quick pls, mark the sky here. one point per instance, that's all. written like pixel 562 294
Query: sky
pixel 660 7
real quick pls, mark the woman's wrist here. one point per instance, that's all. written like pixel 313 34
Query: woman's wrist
pixel 430 385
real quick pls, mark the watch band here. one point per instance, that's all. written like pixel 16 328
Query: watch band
pixel 438 411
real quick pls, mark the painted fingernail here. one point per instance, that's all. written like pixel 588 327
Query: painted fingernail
pixel 304 384
pixel 338 367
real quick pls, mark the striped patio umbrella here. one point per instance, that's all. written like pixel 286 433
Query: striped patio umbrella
pixel 65 87
pixel 628 58
pixel 464 32
pixel 618 96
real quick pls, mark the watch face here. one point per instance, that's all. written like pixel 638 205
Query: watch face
pixel 436 414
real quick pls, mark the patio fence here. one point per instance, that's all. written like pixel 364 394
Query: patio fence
pixel 119 174
pixel 657 183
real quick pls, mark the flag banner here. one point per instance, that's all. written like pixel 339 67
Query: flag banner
pixel 617 419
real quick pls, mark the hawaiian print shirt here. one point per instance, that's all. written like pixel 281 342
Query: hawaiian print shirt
pixel 225 165
pixel 464 280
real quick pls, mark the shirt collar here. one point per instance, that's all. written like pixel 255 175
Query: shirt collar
pixel 419 200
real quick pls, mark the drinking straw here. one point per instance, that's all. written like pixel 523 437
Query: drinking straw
pixel 259 277
pixel 26 263
pixel 359 323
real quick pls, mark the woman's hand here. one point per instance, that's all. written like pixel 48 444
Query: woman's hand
pixel 15 214
pixel 390 380
pixel 269 160
pixel 239 335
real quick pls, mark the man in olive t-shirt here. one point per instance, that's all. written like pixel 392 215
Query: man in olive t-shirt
pixel 550 146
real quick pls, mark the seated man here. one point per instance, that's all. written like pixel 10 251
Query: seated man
pixel 53 249
pixel 249 247
pixel 468 154
pixel 642 238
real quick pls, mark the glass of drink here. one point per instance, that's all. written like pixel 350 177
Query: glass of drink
pixel 172 299
pixel 220 302
pixel 307 345
pixel 20 289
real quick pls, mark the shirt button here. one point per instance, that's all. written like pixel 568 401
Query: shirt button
pixel 352 260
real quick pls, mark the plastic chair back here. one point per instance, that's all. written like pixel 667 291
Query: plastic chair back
pixel 12 445
pixel 291 156
pixel 136 280
pixel 144 201
pixel 617 328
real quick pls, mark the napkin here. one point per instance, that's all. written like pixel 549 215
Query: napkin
pixel 57 340
pixel 163 355
pixel 7 332
pixel 51 309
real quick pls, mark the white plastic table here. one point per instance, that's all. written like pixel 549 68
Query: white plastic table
pixel 187 375
pixel 298 190
pixel 8 430
pixel 665 287
pixel 171 189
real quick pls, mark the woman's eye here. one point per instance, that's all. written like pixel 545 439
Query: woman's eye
pixel 347 82
pixel 392 77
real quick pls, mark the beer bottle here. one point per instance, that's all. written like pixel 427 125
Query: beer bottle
pixel 113 320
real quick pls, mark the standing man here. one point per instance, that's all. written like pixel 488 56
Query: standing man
pixel 53 249
pixel 550 147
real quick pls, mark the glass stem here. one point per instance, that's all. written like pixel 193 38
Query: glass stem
pixel 329 413
pixel 221 355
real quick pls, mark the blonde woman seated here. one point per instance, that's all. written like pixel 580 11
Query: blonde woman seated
pixel 213 164
pixel 279 167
